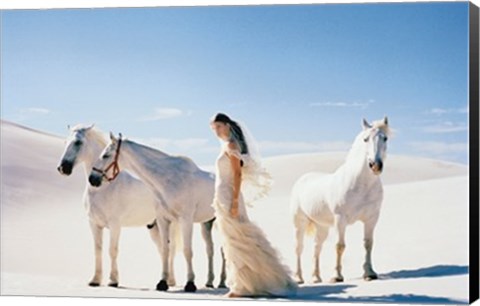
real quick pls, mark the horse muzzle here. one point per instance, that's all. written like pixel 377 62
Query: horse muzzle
pixel 65 168
pixel 376 167
pixel 95 180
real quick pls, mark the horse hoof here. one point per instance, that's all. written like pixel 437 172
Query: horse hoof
pixel 317 280
pixel 190 287
pixel 209 285
pixel 114 285
pixel 370 277
pixel 162 286
pixel 337 280
pixel 222 286
pixel 94 284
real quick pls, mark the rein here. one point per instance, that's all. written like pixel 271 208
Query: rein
pixel 114 165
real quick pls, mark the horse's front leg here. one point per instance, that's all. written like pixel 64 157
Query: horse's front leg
pixel 97 232
pixel 341 226
pixel 369 273
pixel 187 231
pixel 114 239
pixel 207 237
pixel 164 231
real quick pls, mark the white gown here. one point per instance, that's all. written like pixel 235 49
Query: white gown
pixel 253 265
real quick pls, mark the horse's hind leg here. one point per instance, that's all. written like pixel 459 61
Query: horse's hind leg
pixel 223 275
pixel 300 221
pixel 369 273
pixel 164 231
pixel 171 258
pixel 322 233
pixel 97 233
pixel 207 237
pixel 187 231
pixel 155 235
pixel 114 238
pixel 341 226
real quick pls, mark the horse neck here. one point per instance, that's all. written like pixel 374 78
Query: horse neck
pixel 355 168
pixel 143 161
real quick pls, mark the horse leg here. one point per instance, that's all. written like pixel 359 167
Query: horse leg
pixel 187 231
pixel 223 275
pixel 155 235
pixel 171 260
pixel 369 273
pixel 97 232
pixel 300 222
pixel 114 238
pixel 207 237
pixel 341 226
pixel 164 231
pixel 322 233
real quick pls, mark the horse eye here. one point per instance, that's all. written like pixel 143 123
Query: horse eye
pixel 105 156
pixel 365 139
pixel 77 143
pixel 386 138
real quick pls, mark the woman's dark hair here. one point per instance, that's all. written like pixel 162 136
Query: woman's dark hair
pixel 235 131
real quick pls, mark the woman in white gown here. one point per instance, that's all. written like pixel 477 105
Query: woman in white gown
pixel 253 265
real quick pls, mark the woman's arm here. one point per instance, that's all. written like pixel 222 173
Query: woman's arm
pixel 235 163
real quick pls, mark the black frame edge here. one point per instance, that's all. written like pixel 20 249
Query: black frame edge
pixel 474 151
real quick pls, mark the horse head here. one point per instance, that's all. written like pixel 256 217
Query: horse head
pixel 108 162
pixel 74 149
pixel 375 136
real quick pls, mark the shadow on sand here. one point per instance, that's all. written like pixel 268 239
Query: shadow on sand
pixel 434 271
pixel 179 290
pixel 320 291
pixel 331 292
pixel 396 299
pixel 328 293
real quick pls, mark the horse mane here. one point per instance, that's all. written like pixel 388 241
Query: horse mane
pixel 151 151
pixel 156 154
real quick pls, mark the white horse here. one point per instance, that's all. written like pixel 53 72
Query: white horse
pixel 125 202
pixel 353 193
pixel 184 196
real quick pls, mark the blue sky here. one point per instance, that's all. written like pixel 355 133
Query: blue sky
pixel 301 77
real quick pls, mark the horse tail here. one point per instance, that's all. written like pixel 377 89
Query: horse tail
pixel 311 228
pixel 175 237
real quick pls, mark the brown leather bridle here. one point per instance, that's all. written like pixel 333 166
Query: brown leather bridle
pixel 114 165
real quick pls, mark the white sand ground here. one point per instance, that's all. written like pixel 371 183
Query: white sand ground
pixel 420 252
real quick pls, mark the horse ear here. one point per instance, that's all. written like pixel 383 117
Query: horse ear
pixel 365 124
pixel 385 120
pixel 91 126
pixel 119 135
pixel 112 137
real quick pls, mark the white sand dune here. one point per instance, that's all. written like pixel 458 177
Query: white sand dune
pixel 398 169
pixel 421 246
